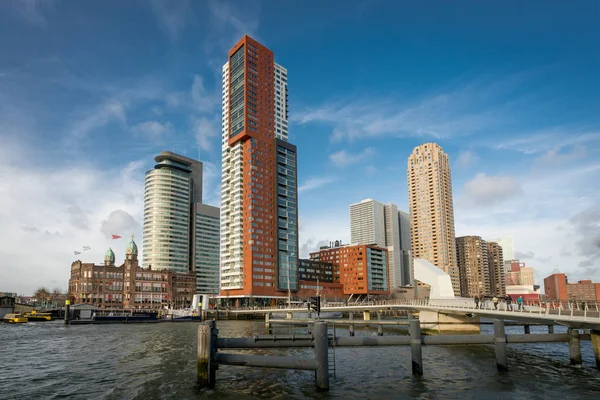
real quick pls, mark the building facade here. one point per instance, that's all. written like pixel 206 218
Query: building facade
pixel 129 286
pixel 259 208
pixel 432 210
pixel 171 189
pixel 517 273
pixel 558 288
pixel 508 246
pixel 207 225
pixel 372 222
pixel 472 257
pixel 496 269
pixel 361 269
pixel 316 279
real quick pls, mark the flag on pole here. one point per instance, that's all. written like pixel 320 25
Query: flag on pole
pixel 86 248
pixel 116 237
pixel 77 252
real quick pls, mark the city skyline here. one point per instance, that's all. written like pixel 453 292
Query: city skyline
pixel 519 136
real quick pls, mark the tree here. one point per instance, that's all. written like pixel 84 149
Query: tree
pixel 56 293
pixel 42 294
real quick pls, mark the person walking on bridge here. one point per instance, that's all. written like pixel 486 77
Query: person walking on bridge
pixel 495 301
pixel 476 301
pixel 520 303
pixel 508 299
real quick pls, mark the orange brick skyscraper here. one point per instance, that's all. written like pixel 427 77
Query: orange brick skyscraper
pixel 259 199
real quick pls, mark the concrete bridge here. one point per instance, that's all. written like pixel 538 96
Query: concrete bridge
pixel 435 313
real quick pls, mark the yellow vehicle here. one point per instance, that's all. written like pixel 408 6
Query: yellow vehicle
pixel 36 316
pixel 14 318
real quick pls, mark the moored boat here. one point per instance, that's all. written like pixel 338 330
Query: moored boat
pixel 14 318
pixel 36 316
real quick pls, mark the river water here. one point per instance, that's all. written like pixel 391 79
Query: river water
pixel 51 360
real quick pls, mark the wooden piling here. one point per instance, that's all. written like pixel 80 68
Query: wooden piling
pixel 595 334
pixel 550 328
pixel 67 311
pixel 204 356
pixel 575 348
pixel 500 342
pixel 379 327
pixel 351 325
pixel 415 346
pixel 527 329
pixel 321 356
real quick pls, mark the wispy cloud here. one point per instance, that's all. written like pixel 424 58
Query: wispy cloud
pixel 315 183
pixel 31 11
pixel 153 130
pixel 552 140
pixel 466 159
pixel 171 16
pixel 466 110
pixel 342 158
pixel 205 130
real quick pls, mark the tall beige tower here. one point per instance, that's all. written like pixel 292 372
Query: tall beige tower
pixel 472 259
pixel 432 210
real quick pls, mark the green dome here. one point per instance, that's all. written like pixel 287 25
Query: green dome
pixel 109 255
pixel 132 247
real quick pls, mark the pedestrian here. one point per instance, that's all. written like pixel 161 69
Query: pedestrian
pixel 476 301
pixel 520 303
pixel 495 301
pixel 509 302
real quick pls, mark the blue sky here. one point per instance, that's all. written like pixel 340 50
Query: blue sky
pixel 91 91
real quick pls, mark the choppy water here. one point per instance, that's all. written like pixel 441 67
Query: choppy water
pixel 50 360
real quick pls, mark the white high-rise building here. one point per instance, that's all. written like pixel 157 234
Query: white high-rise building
pixel 171 187
pixel 207 248
pixel 372 222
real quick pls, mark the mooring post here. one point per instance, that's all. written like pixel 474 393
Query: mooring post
pixel 550 328
pixel 527 329
pixel 379 327
pixel 321 355
pixel 500 341
pixel 574 348
pixel 351 317
pixel 67 311
pixel 415 347
pixel 595 334
pixel 204 355
pixel 268 323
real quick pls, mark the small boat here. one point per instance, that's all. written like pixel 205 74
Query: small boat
pixel 36 316
pixel 14 318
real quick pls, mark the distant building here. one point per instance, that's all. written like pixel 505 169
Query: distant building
pixel 517 273
pixel 557 287
pixel 496 269
pixel 432 209
pixel 316 278
pixel 508 246
pixel 207 223
pixel 372 222
pixel 129 286
pixel 361 269
pixel 472 258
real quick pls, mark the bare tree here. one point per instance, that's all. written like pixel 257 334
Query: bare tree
pixel 42 294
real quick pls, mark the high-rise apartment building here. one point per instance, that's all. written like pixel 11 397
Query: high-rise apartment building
pixel 372 222
pixel 557 287
pixel 496 269
pixel 207 248
pixel 472 258
pixel 259 206
pixel 180 233
pixel 171 189
pixel 508 246
pixel 432 210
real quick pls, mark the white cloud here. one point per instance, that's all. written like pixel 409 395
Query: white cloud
pixel 558 157
pixel 466 159
pixel 32 11
pixel 153 130
pixel 171 16
pixel 105 113
pixel 342 158
pixel 315 183
pixel 487 190
pixel 549 141
pixel 201 100
pixel 58 210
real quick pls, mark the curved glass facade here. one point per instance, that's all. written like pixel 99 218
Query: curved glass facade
pixel 167 200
